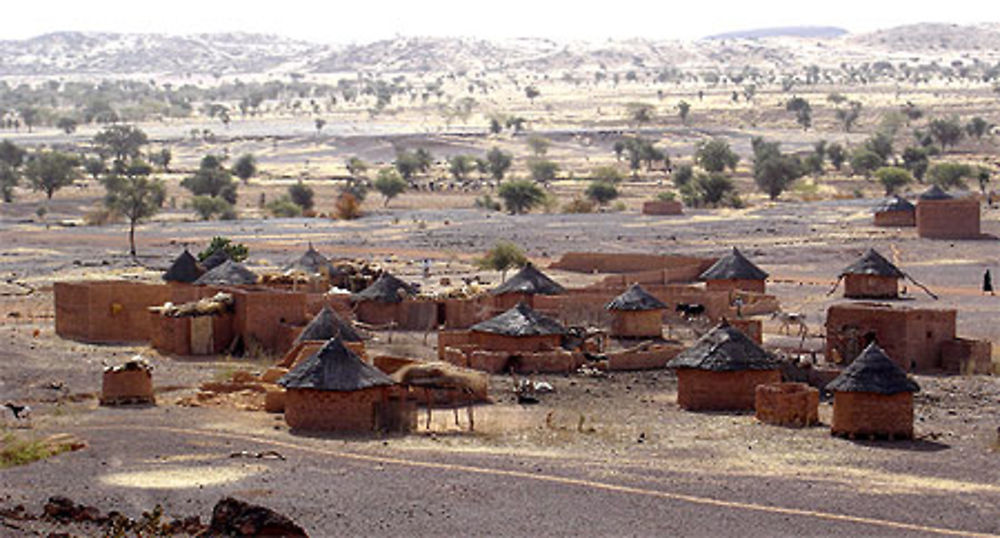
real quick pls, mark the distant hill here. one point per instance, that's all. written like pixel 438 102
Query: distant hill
pixel 812 32
pixel 933 37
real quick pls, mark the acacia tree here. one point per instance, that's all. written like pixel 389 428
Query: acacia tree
pixel 49 171
pixel 131 192
pixel 683 109
pixel 892 178
pixel 389 184
pixel 120 142
pixel 802 110
pixel 460 166
pixel 947 132
pixel 773 171
pixel 211 179
pixel 520 195
pixel 504 256
pixel 498 162
pixel 715 155
pixel 245 167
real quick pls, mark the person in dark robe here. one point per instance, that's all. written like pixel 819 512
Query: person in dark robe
pixel 988 283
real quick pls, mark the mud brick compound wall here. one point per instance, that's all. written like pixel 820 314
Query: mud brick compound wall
pixel 967 357
pixel 259 313
pixel 867 413
pixel 703 390
pixel 676 268
pixel 948 219
pixel 637 323
pixel 107 311
pixel 912 337
pixel 896 218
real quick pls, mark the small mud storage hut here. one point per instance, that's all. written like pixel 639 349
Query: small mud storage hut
pixel 721 371
pixel 518 329
pixel 636 314
pixel 184 270
pixel 943 216
pixel 129 383
pixel 523 286
pixel 228 273
pixel 896 211
pixel 380 303
pixel 873 397
pixel 871 277
pixel 734 272
pixel 334 390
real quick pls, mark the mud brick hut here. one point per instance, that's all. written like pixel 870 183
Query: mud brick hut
pixel 311 263
pixel 722 370
pixel 334 390
pixel 523 286
pixel 324 326
pixel 519 329
pixel 184 270
pixel 379 303
pixel 636 314
pixel 310 272
pixel 662 207
pixel 871 277
pixel 228 273
pixel 943 216
pixel 734 272
pixel 873 397
pixel 896 211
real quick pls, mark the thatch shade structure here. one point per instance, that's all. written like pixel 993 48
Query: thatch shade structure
pixel 721 371
pixel 334 390
pixel 943 216
pixel 215 259
pixel 326 325
pixel 895 211
pixel 871 277
pixel 185 269
pixel 386 289
pixel 310 263
pixel 636 314
pixel 230 273
pixel 519 329
pixel 873 396
pixel 734 272
pixel 525 284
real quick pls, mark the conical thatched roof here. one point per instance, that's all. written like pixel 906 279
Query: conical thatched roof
pixel 335 368
pixel 387 289
pixel 311 262
pixel 935 193
pixel 872 263
pixel 215 259
pixel 724 349
pixel 229 273
pixel 895 203
pixel 520 321
pixel 635 299
pixel 733 266
pixel 873 371
pixel 531 281
pixel 326 325
pixel 184 269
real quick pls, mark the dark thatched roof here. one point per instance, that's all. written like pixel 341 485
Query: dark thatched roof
pixel 895 203
pixel 873 371
pixel 935 193
pixel 387 289
pixel 334 368
pixel 184 269
pixel 311 262
pixel 326 325
pixel 872 263
pixel 229 273
pixel 724 349
pixel 733 266
pixel 520 321
pixel 215 259
pixel 531 281
pixel 635 299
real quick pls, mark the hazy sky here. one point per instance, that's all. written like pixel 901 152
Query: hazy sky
pixel 340 21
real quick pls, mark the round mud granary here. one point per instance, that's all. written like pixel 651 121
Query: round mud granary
pixel 788 404
pixel 636 314
pixel 721 371
pixel 896 212
pixel 942 216
pixel 734 272
pixel 873 397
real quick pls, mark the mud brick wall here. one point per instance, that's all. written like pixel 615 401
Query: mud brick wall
pixel 376 313
pixel 678 266
pixel 755 286
pixel 127 386
pixel 181 293
pixel 464 313
pixel 107 311
pixel 322 410
pixel 871 287
pixel 896 218
pixel 662 207
pixel 967 357
pixel 260 312
pixel 452 339
pixel 341 304
pixel 911 337
pixel 507 301
pixel 703 390
pixel 867 413
pixel 787 404
pixel 515 344
pixel 172 336
pixel 637 324
pixel 557 361
pixel 653 358
pixel 948 219
pixel 418 316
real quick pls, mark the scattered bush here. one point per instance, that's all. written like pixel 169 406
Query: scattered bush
pixel 208 207
pixel 236 251
pixel 892 178
pixel 601 192
pixel 284 207
pixel 579 205
pixel 347 207
pixel 301 195
pixel 520 196
pixel 488 203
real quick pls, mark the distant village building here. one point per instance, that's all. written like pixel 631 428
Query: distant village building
pixel 334 390
pixel 215 259
pixel 379 303
pixel 873 397
pixel 184 270
pixel 228 273
pixel 636 314
pixel 519 329
pixel 722 370
pixel 871 277
pixel 734 272
pixel 523 286
pixel 896 211
pixel 311 263
pixel 943 216
pixel 323 327
pixel 662 207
